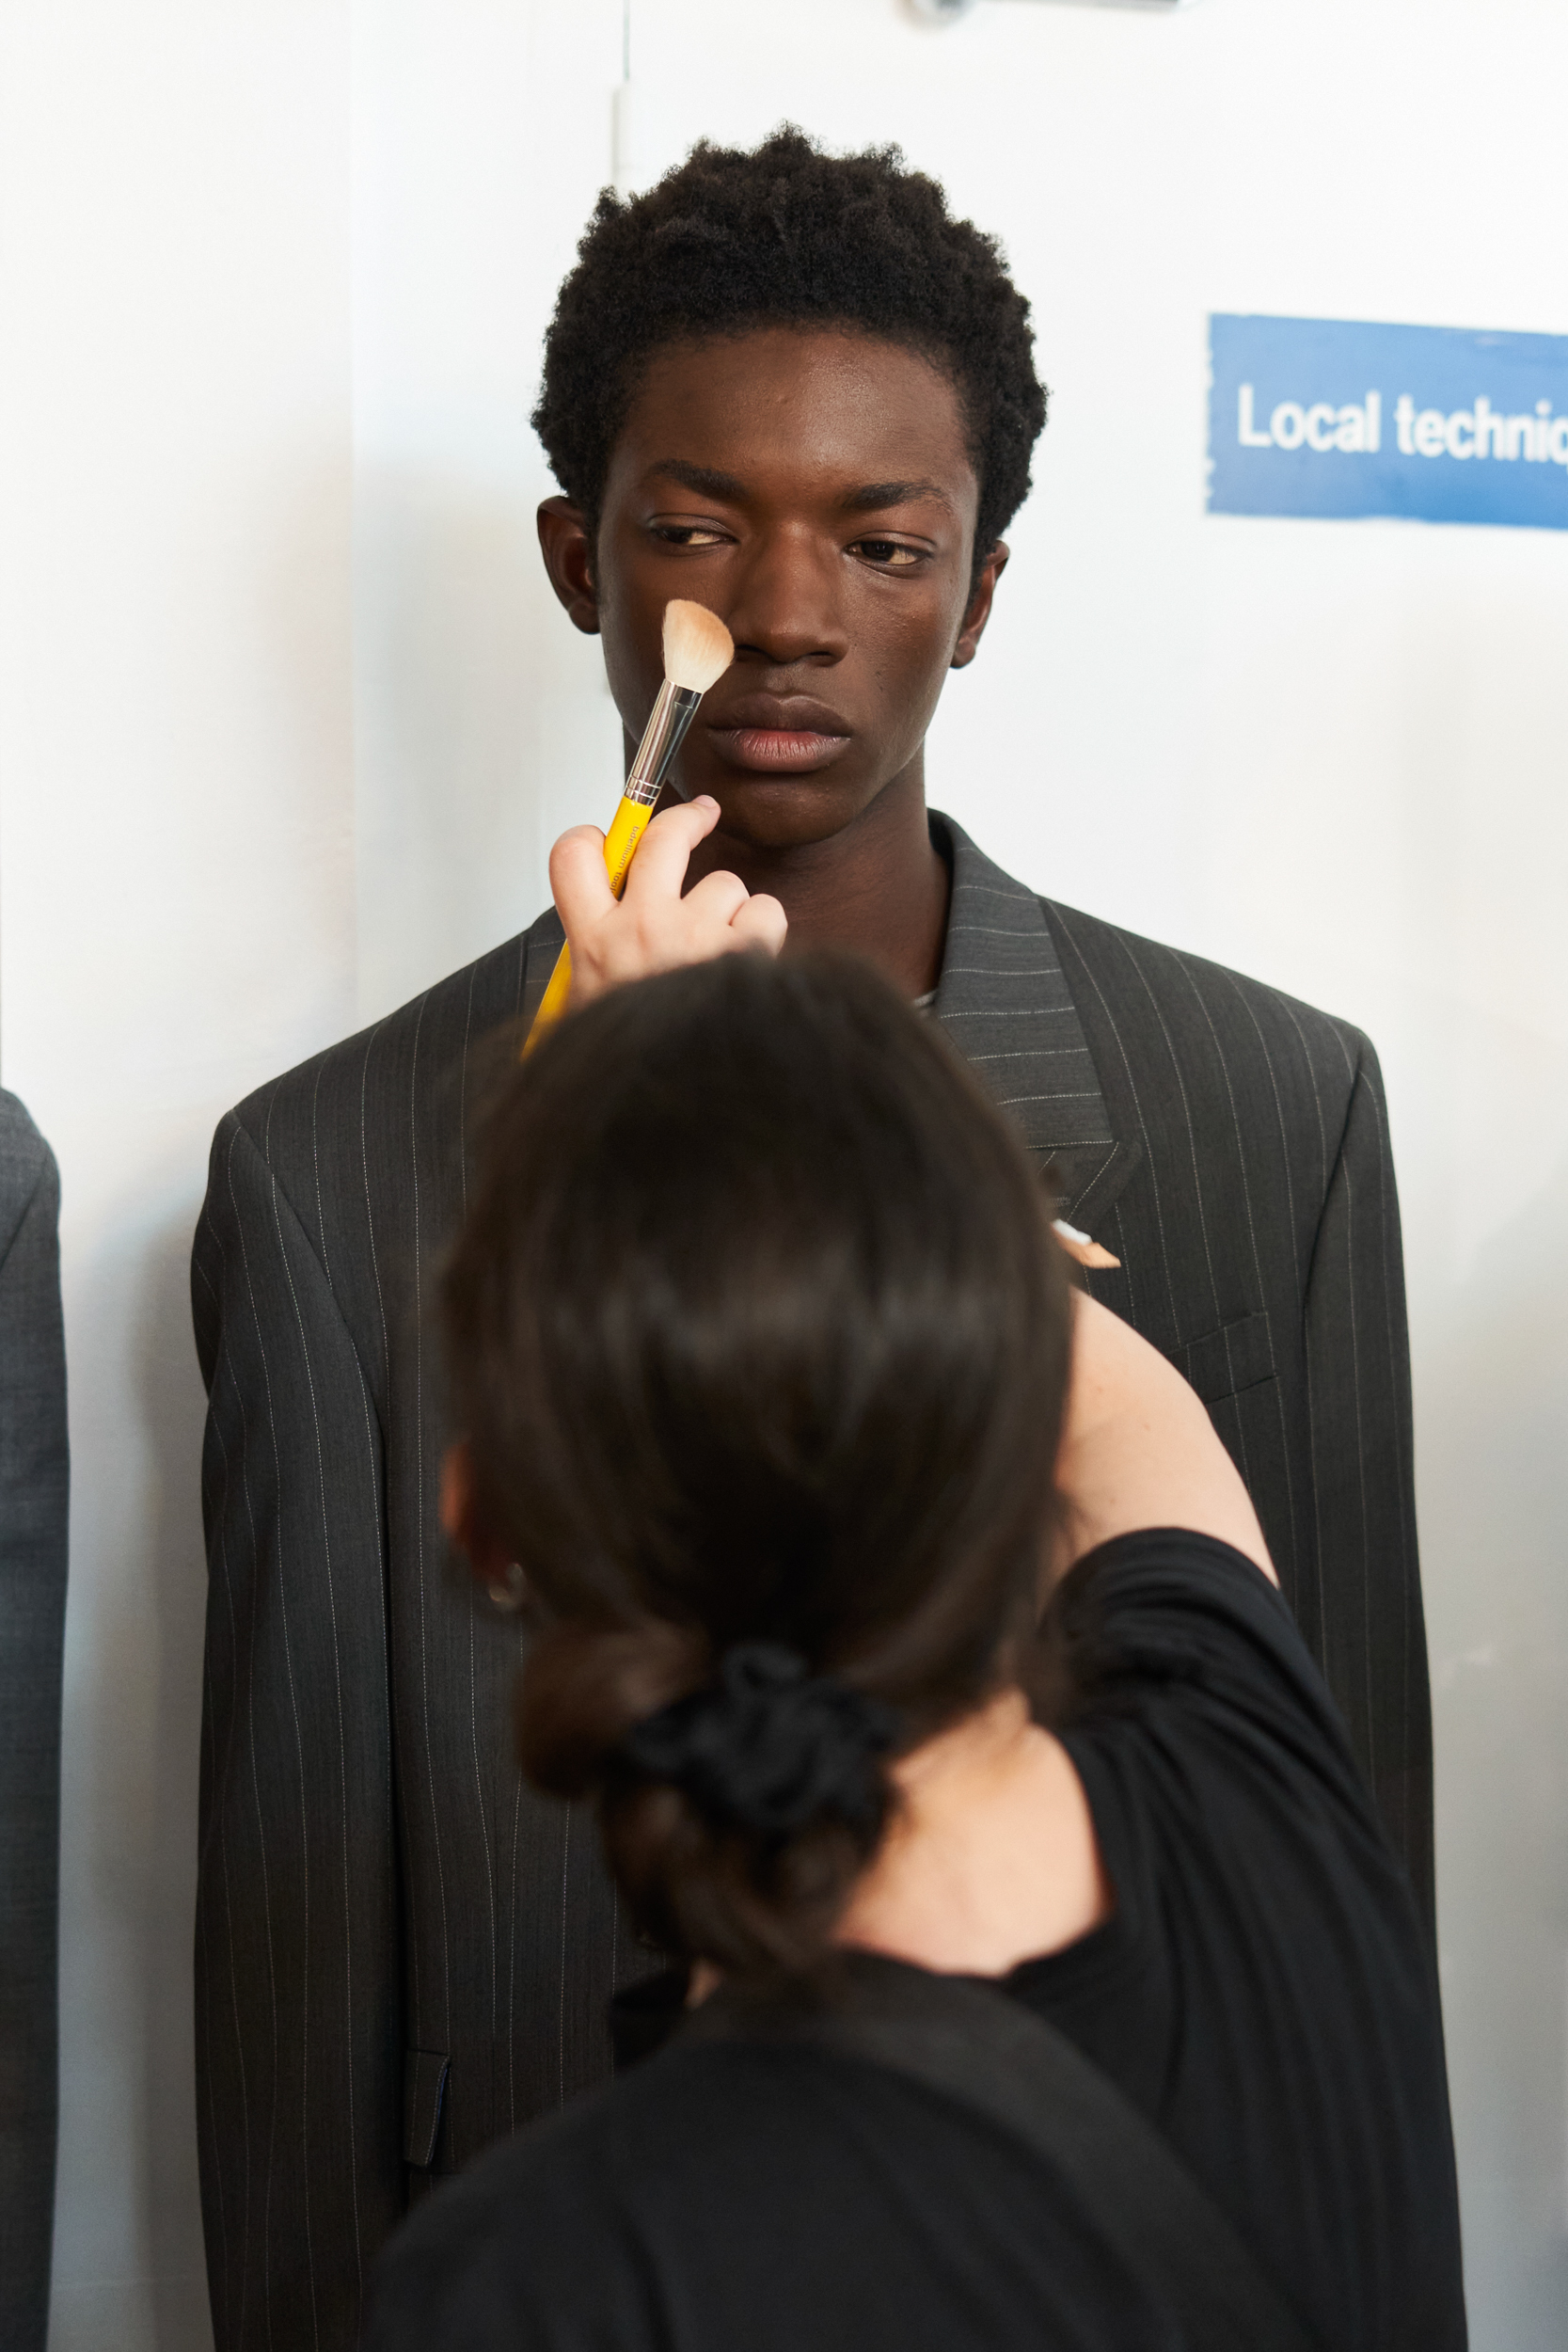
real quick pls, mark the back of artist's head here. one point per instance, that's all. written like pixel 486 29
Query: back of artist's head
pixel 759 1346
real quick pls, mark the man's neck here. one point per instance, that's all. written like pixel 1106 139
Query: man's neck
pixel 879 886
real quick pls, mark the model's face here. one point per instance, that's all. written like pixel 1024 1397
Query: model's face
pixel 813 489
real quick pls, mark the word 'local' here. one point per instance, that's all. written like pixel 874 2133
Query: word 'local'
pixel 1357 429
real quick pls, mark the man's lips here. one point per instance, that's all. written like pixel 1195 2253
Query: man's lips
pixel 776 750
pixel 778 735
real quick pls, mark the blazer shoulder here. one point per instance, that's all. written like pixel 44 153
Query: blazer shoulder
pixel 25 1162
pixel 1121 973
pixel 409 1049
pixel 24 1154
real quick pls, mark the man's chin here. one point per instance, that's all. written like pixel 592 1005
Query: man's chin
pixel 771 815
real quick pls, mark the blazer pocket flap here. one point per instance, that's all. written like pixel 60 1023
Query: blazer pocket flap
pixel 425 2087
pixel 1238 1356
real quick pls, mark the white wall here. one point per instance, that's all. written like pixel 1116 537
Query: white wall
pixel 1332 754
pixel 177 911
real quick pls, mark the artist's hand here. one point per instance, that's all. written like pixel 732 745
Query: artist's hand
pixel 652 928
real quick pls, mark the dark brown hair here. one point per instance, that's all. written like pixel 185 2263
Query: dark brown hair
pixel 760 1342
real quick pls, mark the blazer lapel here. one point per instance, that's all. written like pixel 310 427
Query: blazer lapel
pixel 1004 1001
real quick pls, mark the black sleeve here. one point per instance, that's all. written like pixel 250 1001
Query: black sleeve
pixel 1167 1624
pixel 1358 1398
pixel 298 2002
pixel 34 1498
pixel 1275 2005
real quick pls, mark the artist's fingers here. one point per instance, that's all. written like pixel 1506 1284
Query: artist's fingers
pixel 760 923
pixel 713 903
pixel 664 852
pixel 653 927
pixel 579 883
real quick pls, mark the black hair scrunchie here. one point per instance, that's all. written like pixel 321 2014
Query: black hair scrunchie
pixel 769 1746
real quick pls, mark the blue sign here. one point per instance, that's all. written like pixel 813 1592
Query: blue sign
pixel 1435 424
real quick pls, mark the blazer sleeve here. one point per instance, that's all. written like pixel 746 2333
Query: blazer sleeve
pixel 1364 1498
pixel 33 1506
pixel 298 2000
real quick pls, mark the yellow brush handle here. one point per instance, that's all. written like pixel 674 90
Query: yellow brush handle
pixel 630 823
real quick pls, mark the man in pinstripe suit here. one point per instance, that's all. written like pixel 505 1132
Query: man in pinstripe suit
pixel 401 1951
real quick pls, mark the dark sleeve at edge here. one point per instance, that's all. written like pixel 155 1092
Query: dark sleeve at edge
pixel 34 1515
pixel 1364 1493
pixel 298 2000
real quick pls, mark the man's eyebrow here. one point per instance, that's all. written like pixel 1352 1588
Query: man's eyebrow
pixel 872 496
pixel 707 481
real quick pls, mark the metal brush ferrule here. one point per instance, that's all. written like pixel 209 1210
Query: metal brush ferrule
pixel 662 737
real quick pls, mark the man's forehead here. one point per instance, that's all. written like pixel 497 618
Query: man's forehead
pixel 873 423
pixel 855 497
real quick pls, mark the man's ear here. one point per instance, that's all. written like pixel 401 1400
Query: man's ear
pixel 462 1519
pixel 977 612
pixel 569 560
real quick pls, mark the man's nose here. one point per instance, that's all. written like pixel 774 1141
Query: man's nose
pixel 790 605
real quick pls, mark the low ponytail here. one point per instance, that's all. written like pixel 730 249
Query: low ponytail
pixel 739 1798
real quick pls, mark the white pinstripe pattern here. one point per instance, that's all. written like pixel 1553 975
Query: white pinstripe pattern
pixel 338 1686
pixel 1060 920
pixel 473 1597
pixel 1059 1122
pixel 1191 1133
pixel 1028 1053
pixel 1360 1450
pixel 221 1782
pixel 432 1799
pixel 1184 966
pixel 1247 1193
pixel 1388 1212
pixel 312 2020
pixel 1355 1075
pixel 1315 1484
pixel 369 1141
pixel 411 1892
pixel 275 2039
pixel 1334 1256
pixel 259 1330
pixel 384 1631
pixel 1011 1012
pixel 1016 1102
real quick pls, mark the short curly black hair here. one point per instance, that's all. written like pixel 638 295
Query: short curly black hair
pixel 786 235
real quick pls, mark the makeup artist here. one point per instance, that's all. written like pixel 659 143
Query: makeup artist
pixel 1032 1995
pixel 793 388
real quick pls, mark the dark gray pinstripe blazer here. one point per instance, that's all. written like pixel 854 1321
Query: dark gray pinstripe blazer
pixel 34 1505
pixel 403 1953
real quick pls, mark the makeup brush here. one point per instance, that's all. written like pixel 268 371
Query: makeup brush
pixel 698 649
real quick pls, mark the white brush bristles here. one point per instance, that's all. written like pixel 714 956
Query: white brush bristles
pixel 698 649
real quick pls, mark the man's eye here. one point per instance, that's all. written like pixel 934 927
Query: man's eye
pixel 688 534
pixel 891 554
